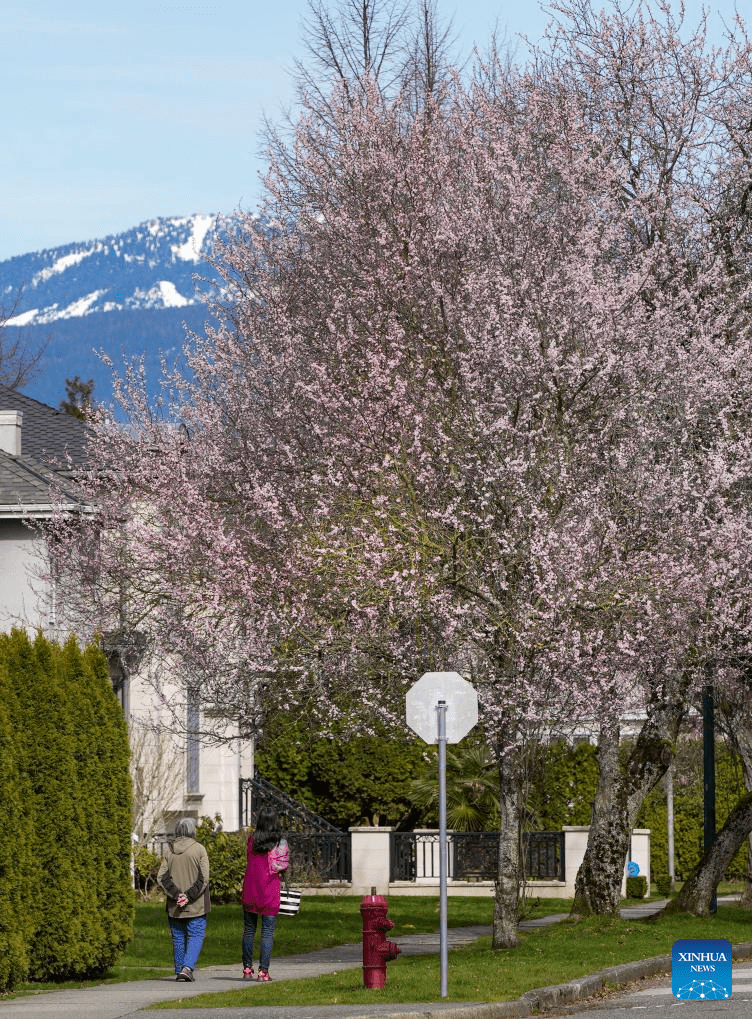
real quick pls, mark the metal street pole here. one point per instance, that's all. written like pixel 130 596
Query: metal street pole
pixel 441 710
pixel 670 823
pixel 708 768
pixel 427 713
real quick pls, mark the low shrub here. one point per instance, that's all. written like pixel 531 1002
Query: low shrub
pixel 663 884
pixel 637 887
pixel 145 865
pixel 227 859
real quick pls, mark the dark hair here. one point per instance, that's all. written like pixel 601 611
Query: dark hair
pixel 266 834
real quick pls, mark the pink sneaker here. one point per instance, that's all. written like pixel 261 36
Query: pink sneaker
pixel 263 977
pixel 248 973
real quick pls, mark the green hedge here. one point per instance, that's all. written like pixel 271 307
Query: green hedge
pixel 66 898
pixel 20 874
pixel 563 783
pixel 688 810
pixel 349 781
pixel 227 859
pixel 637 887
pixel 563 788
pixel 346 781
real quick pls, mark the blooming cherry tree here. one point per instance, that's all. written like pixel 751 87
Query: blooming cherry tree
pixel 460 415
pixel 670 111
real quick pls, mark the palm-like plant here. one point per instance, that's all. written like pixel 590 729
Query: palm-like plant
pixel 472 788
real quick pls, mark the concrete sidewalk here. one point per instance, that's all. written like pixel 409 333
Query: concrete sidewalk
pixel 125 1001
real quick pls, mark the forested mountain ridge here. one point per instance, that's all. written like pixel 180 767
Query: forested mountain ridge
pixel 129 294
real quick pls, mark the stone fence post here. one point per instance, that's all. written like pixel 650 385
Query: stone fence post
pixel 575 843
pixel 371 859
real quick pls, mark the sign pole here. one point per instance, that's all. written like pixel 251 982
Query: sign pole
pixel 441 710
pixel 426 711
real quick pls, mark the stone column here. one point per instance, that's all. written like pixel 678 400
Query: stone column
pixel 370 860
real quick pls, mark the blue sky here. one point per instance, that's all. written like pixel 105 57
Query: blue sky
pixel 118 111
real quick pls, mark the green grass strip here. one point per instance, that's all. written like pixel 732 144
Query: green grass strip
pixel 546 956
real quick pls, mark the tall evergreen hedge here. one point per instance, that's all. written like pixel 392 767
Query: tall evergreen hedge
pixel 20 875
pixel 342 779
pixel 689 810
pixel 67 801
pixel 563 782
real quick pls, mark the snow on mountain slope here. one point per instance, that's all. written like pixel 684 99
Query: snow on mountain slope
pixel 129 295
pixel 155 265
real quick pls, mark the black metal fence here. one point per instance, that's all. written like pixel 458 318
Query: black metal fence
pixel 473 856
pixel 319 852
pixel 317 858
pixel 544 855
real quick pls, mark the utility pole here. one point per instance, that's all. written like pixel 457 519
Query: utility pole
pixel 708 770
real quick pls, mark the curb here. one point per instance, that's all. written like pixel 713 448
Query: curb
pixel 544 999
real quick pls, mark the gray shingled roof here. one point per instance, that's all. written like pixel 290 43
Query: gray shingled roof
pixel 48 436
pixel 25 487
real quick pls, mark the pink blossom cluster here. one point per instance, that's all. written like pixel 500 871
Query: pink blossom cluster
pixel 480 400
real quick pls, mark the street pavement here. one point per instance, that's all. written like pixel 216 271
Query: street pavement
pixel 655 998
pixel 126 1001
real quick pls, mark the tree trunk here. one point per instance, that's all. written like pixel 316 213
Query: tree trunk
pixel 620 795
pixel 596 889
pixel 734 722
pixel 507 899
pixel 696 895
pixel 746 900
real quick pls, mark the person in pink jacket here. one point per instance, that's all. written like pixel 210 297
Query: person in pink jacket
pixel 268 857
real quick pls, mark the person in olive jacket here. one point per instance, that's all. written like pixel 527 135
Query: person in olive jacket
pixel 184 878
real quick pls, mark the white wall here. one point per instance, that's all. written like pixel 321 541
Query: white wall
pixel 222 767
pixel 24 599
pixel 157 702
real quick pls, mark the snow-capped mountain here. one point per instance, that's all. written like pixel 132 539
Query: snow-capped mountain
pixel 129 294
pixel 151 266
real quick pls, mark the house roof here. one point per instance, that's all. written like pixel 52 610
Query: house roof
pixel 26 487
pixel 48 435
pixel 51 443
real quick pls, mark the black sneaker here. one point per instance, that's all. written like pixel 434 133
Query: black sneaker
pixel 185 974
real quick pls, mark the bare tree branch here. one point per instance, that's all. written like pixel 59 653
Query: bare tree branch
pixel 20 361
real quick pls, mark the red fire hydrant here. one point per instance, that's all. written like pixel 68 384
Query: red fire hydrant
pixel 377 951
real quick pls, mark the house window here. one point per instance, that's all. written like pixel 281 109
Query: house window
pixel 193 744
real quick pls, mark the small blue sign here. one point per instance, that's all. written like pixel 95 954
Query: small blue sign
pixel 701 968
pixel 633 869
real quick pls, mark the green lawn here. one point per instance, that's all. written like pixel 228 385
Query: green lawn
pixel 546 956
pixel 324 921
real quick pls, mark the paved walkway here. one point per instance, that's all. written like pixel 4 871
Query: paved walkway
pixel 125 1001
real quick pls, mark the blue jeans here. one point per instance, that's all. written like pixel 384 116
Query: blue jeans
pixel 187 939
pixel 267 938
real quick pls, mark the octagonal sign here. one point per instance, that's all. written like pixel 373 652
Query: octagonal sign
pixel 423 698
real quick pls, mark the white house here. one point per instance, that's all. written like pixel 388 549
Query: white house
pixel 174 774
